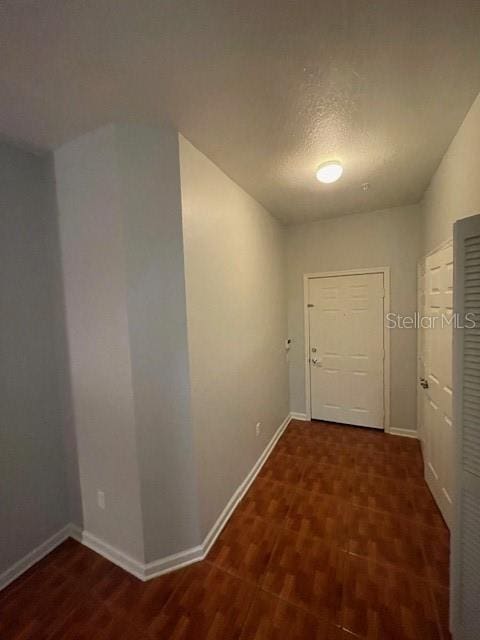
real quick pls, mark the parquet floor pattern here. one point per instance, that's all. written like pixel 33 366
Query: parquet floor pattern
pixel 338 538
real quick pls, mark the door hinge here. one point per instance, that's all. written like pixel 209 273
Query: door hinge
pixel 309 305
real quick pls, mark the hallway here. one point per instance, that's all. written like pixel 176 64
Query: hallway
pixel 337 538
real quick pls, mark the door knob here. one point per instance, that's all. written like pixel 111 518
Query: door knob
pixel 424 383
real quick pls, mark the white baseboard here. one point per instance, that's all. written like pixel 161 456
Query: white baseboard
pixel 154 569
pixel 22 565
pixel 298 416
pixel 406 433
pixel 145 571
pixel 173 562
pixel 243 488
pixel 109 552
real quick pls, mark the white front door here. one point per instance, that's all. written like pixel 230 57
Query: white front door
pixel 346 326
pixel 437 387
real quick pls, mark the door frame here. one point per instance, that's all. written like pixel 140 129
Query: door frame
pixel 385 271
pixel 421 431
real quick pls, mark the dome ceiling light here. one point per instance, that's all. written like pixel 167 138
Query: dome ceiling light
pixel 329 172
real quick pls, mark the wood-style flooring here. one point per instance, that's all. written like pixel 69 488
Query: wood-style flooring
pixel 338 538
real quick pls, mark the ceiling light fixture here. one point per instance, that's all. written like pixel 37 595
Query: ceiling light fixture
pixel 329 172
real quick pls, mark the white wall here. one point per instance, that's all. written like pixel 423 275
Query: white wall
pixel 121 230
pixel 381 238
pixel 167 452
pixel 148 162
pixel 33 373
pixel 236 312
pixel 454 191
pixel 93 259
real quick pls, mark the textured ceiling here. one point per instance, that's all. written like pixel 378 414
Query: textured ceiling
pixel 267 89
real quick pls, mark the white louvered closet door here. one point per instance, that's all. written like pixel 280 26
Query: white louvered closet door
pixel 465 569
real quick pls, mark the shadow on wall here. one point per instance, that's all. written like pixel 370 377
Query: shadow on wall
pixel 62 355
pixel 38 473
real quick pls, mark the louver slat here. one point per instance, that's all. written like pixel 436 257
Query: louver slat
pixel 471 360
pixel 467 583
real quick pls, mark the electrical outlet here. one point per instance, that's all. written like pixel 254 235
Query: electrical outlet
pixel 258 428
pixel 101 499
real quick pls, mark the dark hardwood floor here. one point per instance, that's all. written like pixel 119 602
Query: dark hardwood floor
pixel 338 538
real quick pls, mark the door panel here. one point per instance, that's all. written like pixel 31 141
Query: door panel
pixel 346 349
pixel 437 359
